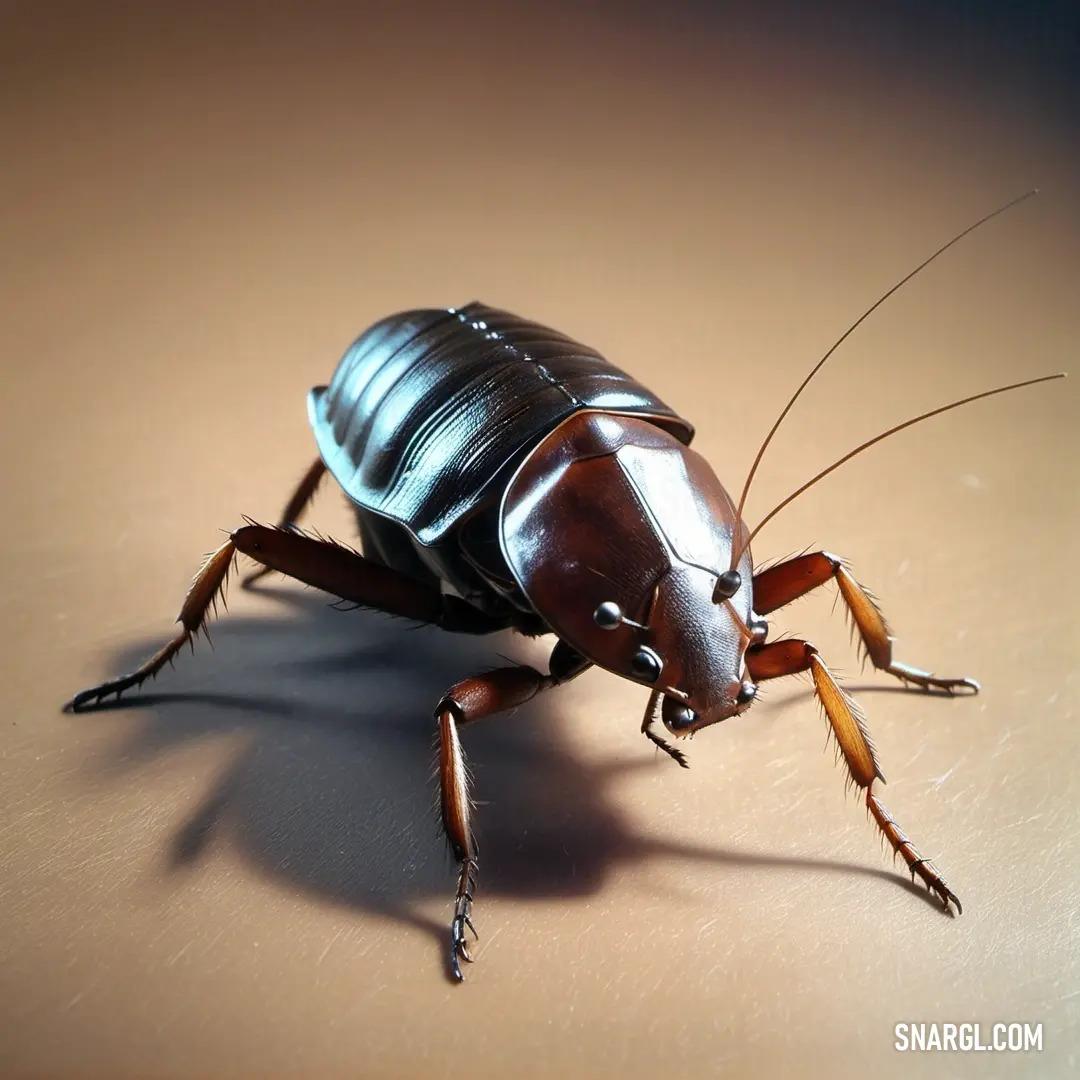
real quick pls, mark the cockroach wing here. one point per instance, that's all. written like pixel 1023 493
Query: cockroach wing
pixel 429 411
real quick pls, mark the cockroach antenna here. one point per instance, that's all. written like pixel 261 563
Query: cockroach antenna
pixel 738 549
pixel 884 435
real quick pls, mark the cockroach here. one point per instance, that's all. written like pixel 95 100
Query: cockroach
pixel 503 476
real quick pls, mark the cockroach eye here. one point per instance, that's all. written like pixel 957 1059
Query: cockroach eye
pixel 608 615
pixel 727 585
pixel 746 694
pixel 646 664
pixel 677 717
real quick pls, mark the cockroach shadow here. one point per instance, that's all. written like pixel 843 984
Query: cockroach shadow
pixel 331 790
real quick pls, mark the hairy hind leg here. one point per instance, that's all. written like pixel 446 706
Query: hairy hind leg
pixel 207 585
pixel 294 509
pixel 323 564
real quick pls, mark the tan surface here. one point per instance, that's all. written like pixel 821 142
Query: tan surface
pixel 241 875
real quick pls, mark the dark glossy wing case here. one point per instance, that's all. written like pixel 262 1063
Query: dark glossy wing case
pixel 430 410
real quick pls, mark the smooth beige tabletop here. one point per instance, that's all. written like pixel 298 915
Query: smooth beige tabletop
pixel 239 873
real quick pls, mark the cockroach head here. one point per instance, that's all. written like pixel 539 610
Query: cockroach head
pixel 620 537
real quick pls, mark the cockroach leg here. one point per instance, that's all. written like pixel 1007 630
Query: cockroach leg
pixel 848 725
pixel 916 864
pixel 467 701
pixel 781 584
pixel 207 585
pixel 342 572
pixel 463 902
pixel 652 710
pixel 323 564
pixel 456 810
pixel 294 510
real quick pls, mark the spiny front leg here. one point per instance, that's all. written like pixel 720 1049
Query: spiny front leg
pixel 467 701
pixel 787 581
pixel 849 727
